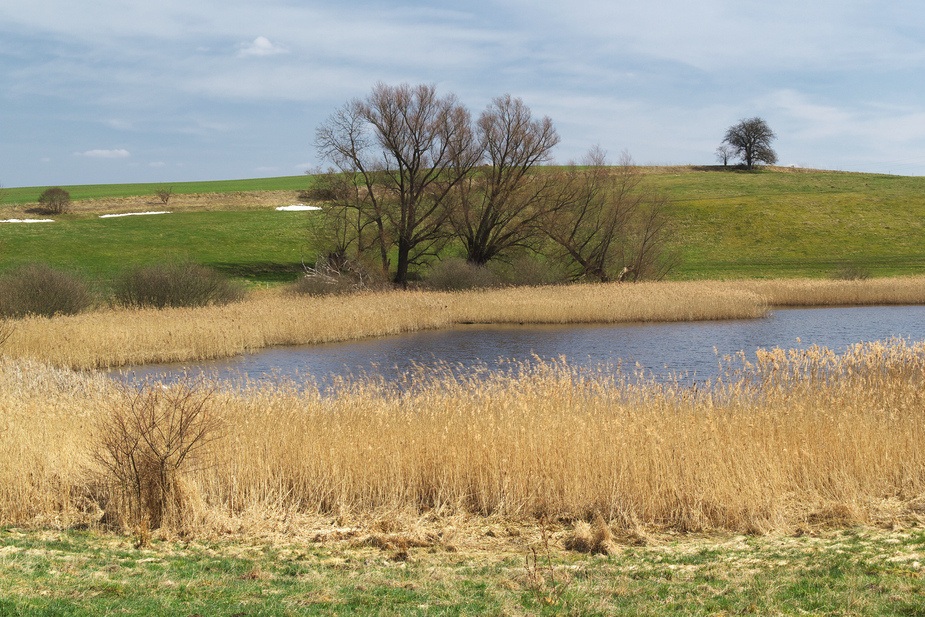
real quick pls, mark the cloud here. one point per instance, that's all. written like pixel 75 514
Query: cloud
pixel 261 46
pixel 118 153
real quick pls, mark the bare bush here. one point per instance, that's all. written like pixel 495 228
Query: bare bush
pixel 531 271
pixel 849 271
pixel 164 194
pixel 610 220
pixel 146 443
pixel 336 274
pixel 455 274
pixel 175 285
pixel 55 200
pixel 39 289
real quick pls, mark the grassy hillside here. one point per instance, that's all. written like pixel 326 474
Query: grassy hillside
pixel 770 223
pixel 785 222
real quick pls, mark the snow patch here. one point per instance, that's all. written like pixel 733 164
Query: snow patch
pixel 28 221
pixel 297 207
pixel 110 216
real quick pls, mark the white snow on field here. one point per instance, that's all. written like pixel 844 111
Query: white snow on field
pixel 28 221
pixel 109 216
pixel 297 207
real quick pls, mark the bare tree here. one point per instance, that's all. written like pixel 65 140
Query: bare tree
pixel 501 206
pixel 750 140
pixel 404 150
pixel 608 220
pixel 724 152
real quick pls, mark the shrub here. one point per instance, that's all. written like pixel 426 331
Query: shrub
pixel 164 194
pixel 336 274
pixel 55 200
pixel 174 285
pixel 39 289
pixel 318 193
pixel 850 272
pixel 455 274
pixel 528 271
pixel 149 439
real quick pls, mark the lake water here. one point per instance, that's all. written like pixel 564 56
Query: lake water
pixel 691 348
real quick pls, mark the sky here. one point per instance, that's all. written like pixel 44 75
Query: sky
pixel 118 91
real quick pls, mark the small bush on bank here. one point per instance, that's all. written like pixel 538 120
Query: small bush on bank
pixel 146 444
pixel 850 272
pixel 532 272
pixel 39 289
pixel 164 194
pixel 455 274
pixel 335 274
pixel 174 285
pixel 55 200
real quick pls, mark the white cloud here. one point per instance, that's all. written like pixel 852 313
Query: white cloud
pixel 118 153
pixel 261 46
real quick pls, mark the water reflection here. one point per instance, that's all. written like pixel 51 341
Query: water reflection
pixel 694 348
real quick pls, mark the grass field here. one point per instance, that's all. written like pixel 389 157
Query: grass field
pixel 768 224
pixel 848 572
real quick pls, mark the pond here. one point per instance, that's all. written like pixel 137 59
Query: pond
pixel 691 348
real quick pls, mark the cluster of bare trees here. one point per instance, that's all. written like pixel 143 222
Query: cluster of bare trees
pixel 411 172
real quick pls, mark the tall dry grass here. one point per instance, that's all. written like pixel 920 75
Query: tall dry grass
pixel 120 337
pixel 827 292
pixel 797 437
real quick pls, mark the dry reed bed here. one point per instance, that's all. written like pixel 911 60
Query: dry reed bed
pixel 124 337
pixel 823 292
pixel 800 437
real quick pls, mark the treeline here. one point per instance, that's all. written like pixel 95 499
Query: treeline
pixel 411 172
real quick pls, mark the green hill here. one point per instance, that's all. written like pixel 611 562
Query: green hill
pixel 771 223
pixel 783 222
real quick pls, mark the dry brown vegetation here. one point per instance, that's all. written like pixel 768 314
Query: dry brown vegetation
pixel 800 439
pixel 120 337
pixel 795 440
pixel 123 336
pixel 179 202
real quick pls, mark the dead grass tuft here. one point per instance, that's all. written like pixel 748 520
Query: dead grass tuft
pixel 596 537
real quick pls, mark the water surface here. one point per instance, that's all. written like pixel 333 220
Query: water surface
pixel 691 348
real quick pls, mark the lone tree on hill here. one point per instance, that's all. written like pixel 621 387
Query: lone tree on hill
pixel 750 141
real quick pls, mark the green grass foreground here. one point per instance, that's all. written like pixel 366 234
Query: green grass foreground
pixel 770 223
pixel 861 571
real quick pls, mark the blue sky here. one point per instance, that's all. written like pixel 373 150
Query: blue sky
pixel 107 91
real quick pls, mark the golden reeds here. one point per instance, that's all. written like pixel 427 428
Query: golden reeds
pixel 797 438
pixel 121 337
pixel 826 292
